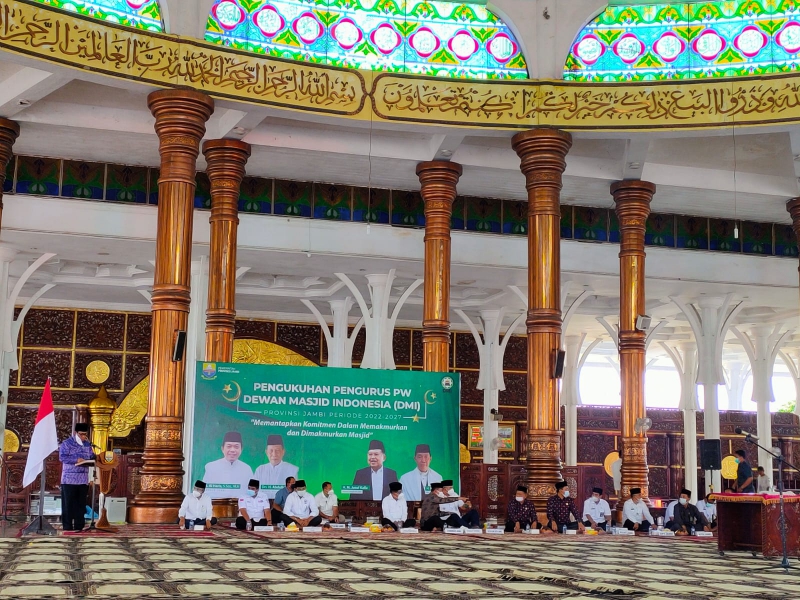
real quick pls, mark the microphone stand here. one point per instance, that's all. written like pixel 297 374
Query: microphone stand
pixel 781 460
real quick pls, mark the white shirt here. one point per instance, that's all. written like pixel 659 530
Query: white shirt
pixel 452 507
pixel 395 510
pixel 275 475
pixel 223 471
pixel 326 504
pixel 636 513
pixel 762 482
pixel 256 507
pixel 377 483
pixel 414 481
pixel 300 507
pixel 709 510
pixel 196 508
pixel 597 510
pixel 670 513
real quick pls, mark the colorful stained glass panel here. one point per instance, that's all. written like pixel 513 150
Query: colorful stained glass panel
pixel 83 180
pixel 38 175
pixel 332 201
pixel 139 14
pixel 726 38
pixel 371 205
pixel 293 198
pixel 255 195
pixel 515 217
pixel 408 210
pixel 127 184
pixel 425 37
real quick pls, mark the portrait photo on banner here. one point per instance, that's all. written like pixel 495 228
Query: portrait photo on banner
pixel 360 429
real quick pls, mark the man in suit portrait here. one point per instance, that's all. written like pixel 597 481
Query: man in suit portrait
pixel 375 476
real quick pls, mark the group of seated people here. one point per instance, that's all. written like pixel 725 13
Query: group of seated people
pixel 443 507
pixel 562 513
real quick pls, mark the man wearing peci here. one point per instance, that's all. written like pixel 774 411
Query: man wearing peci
pixel 395 509
pixel 376 477
pixel 275 472
pixel 744 474
pixel 417 483
pixel 75 454
pixel 253 507
pixel 228 470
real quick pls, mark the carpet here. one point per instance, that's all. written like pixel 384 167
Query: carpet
pixel 150 562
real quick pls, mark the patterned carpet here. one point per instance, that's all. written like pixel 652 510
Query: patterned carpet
pixel 426 566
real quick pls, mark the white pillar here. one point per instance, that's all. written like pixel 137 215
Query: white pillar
pixel 737 376
pixel 195 351
pixel 570 395
pixel 710 320
pixel 762 346
pixel 7 256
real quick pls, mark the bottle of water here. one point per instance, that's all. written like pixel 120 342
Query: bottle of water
pixel 281 526
pixel 527 527
pixel 564 529
pixel 693 531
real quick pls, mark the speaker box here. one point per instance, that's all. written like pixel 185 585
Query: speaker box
pixel 710 455
pixel 180 346
pixel 558 365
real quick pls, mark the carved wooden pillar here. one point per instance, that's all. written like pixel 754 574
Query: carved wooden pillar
pixel 439 179
pixel 632 199
pixel 226 161
pixel 542 155
pixel 180 124
pixel 9 131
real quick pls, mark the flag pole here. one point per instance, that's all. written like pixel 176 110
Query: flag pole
pixel 39 525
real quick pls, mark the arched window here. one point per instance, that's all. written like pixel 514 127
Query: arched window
pixel 444 39
pixel 687 40
pixel 140 14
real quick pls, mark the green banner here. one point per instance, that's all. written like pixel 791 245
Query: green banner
pixel 360 429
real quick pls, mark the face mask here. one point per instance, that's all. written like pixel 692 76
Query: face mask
pixel 566 494
pixel 683 501
pixel 301 493
pixel 737 461
pixel 440 494
pixel 400 496
pixel 596 500
pixel 251 493
pixel 636 500
pixel 197 493
pixel 520 498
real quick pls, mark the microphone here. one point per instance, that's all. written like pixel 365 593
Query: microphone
pixel 739 430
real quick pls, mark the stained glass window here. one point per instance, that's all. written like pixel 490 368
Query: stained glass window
pixel 444 39
pixel 687 40
pixel 141 14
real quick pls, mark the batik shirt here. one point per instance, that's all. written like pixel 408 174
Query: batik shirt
pixel 69 452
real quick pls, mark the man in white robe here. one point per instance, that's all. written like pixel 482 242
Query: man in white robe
pixel 228 476
pixel 416 483
pixel 273 474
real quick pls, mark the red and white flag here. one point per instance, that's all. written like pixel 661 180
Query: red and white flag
pixel 44 440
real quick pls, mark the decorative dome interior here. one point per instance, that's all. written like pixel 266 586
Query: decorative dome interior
pixel 140 14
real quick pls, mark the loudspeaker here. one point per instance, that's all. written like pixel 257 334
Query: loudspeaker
pixel 710 455
pixel 180 346
pixel 558 365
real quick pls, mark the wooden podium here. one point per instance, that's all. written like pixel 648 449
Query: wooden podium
pixel 752 522
pixel 106 462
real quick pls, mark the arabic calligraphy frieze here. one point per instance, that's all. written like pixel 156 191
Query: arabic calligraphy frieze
pixel 50 34
pixel 46 33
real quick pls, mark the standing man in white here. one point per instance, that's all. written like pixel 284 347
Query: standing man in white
pixel 417 483
pixel 275 472
pixel 228 477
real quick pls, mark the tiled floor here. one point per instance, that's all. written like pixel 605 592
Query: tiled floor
pixel 425 566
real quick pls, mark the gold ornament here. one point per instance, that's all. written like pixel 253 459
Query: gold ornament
pixel 10 441
pixel 729 467
pixel 611 458
pixel 97 372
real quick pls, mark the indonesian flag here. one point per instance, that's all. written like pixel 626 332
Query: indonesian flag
pixel 44 440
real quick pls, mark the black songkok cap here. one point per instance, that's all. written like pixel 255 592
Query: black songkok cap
pixel 200 484
pixel 274 440
pixel 635 491
pixel 254 483
pixel 447 482
pixel 422 449
pixel 687 492
pixel 597 491
pixel 81 427
pixel 377 445
pixel 561 484
pixel 522 488
pixel 436 486
pixel 232 436
pixel 299 483
pixel 395 486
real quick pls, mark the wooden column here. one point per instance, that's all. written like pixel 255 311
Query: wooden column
pixel 226 161
pixel 542 155
pixel 9 131
pixel 439 179
pixel 632 199
pixel 180 124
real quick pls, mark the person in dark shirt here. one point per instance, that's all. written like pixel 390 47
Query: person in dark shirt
pixel 560 507
pixel 687 516
pixel 744 474
pixel 431 516
pixel 521 512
